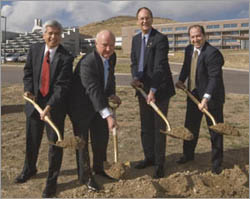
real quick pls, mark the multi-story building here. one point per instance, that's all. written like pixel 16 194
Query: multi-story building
pixel 224 34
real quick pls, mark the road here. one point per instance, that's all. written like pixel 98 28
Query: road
pixel 236 81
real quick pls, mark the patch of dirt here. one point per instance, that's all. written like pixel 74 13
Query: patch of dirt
pixel 191 180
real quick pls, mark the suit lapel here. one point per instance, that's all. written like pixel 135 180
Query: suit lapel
pixel 39 63
pixel 148 46
pixel 54 63
pixel 138 47
pixel 99 64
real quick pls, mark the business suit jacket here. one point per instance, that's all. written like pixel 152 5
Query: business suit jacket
pixel 209 78
pixel 87 93
pixel 60 76
pixel 60 79
pixel 156 73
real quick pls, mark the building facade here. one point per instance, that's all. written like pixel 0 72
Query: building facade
pixel 223 34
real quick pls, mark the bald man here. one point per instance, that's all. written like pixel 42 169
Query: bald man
pixel 93 84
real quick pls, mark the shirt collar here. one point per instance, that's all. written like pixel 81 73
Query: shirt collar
pixel 146 35
pixel 52 51
pixel 198 49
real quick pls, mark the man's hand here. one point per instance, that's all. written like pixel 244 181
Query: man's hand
pixel 203 104
pixel 180 85
pixel 136 83
pixel 111 123
pixel 151 97
pixel 115 100
pixel 29 95
pixel 46 112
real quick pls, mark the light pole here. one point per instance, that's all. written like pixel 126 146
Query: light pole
pixel 5 22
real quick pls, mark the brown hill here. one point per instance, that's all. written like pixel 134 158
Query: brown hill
pixel 115 24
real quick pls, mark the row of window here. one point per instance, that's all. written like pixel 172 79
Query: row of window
pixel 170 29
pixel 210 41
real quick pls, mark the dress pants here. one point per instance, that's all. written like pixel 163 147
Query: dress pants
pixel 193 122
pixel 153 141
pixel 99 135
pixel 82 154
pixel 34 133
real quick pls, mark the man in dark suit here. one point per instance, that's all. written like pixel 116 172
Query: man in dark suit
pixel 150 70
pixel 47 78
pixel 93 84
pixel 208 87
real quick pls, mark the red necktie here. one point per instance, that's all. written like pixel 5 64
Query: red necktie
pixel 45 75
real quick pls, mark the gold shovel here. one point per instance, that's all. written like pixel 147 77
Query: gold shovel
pixel 74 142
pixel 179 132
pixel 221 128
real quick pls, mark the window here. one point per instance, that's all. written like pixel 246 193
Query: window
pixel 230 40
pixel 214 33
pixel 166 29
pixel 214 40
pixel 181 28
pixel 171 42
pixel 170 36
pixel 244 24
pixel 213 26
pixel 181 42
pixel 234 25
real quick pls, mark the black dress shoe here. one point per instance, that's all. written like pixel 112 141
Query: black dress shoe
pixel 24 177
pixel 143 164
pixel 49 191
pixel 92 185
pixel 184 159
pixel 159 172
pixel 216 170
pixel 105 175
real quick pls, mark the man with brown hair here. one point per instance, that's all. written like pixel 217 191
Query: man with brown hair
pixel 205 81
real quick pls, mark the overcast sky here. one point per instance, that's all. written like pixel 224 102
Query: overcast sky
pixel 21 14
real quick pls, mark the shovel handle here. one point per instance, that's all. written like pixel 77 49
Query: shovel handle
pixel 115 138
pixel 154 106
pixel 193 98
pixel 47 119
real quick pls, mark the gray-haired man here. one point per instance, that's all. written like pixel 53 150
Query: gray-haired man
pixel 47 78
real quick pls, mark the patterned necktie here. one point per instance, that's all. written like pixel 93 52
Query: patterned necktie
pixel 141 61
pixel 193 70
pixel 106 72
pixel 44 89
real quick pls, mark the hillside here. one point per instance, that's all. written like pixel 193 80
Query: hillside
pixel 115 24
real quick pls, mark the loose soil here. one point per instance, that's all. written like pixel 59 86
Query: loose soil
pixel 191 180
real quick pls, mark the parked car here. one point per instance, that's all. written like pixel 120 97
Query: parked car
pixel 12 57
pixel 22 57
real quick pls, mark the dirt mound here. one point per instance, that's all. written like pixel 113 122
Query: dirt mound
pixel 191 180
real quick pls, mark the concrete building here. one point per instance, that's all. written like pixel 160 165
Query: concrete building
pixel 224 34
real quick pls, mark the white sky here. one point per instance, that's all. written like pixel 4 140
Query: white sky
pixel 21 14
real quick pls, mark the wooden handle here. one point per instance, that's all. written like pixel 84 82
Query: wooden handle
pixel 47 119
pixel 115 145
pixel 115 138
pixel 197 102
pixel 153 105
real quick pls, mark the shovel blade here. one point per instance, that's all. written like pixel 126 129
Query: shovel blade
pixel 180 133
pixel 226 129
pixel 73 142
